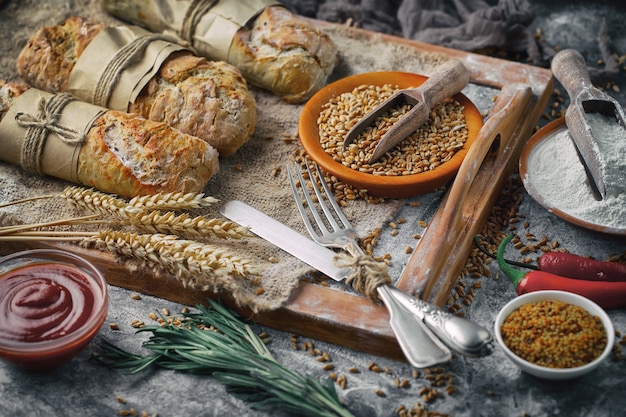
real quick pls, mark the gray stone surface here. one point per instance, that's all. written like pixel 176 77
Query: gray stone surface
pixel 490 386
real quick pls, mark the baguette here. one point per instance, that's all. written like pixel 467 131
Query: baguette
pixel 128 155
pixel 206 99
pixel 277 50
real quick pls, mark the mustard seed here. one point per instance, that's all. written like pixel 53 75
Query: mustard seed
pixel 554 334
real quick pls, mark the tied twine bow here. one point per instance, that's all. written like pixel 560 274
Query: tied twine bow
pixel 367 274
pixel 39 126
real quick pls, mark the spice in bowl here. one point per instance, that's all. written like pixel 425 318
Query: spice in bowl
pixel 52 304
pixel 554 334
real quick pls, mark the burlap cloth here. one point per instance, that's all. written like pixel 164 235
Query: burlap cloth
pixel 250 175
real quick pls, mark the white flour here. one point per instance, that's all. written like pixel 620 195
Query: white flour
pixel 556 174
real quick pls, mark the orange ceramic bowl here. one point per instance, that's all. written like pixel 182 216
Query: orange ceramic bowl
pixel 377 185
pixel 52 304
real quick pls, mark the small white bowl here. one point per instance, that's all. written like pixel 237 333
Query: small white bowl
pixel 571 298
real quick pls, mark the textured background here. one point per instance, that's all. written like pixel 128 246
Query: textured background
pixel 484 387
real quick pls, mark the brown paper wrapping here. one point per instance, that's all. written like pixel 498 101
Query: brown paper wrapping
pixel 212 31
pixel 93 66
pixel 58 158
pixel 215 31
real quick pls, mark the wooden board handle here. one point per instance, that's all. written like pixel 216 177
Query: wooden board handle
pixel 424 267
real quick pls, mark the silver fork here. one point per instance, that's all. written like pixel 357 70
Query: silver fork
pixel 420 343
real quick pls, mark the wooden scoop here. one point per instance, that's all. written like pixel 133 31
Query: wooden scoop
pixel 448 79
pixel 569 67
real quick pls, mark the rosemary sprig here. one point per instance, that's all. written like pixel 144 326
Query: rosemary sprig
pixel 215 341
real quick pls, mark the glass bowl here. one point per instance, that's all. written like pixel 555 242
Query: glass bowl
pixel 400 186
pixel 52 304
pixel 570 298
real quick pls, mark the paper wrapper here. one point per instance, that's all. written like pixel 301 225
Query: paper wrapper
pixel 216 30
pixel 208 26
pixel 58 158
pixel 117 65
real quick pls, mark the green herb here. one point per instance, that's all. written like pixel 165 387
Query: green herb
pixel 215 341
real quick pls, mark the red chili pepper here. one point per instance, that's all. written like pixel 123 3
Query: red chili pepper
pixel 569 265
pixel 606 294
pixel 575 266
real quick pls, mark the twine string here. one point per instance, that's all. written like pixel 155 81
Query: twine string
pixel 195 12
pixel 39 126
pixel 120 61
pixel 366 273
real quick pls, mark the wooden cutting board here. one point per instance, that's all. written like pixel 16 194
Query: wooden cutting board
pixel 343 318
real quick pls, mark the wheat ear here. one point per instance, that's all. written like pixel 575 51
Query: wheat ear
pixel 184 225
pixel 99 202
pixel 172 201
pixel 195 264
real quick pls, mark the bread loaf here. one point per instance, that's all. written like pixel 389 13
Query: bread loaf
pixel 284 54
pixel 207 99
pixel 128 155
pixel 276 50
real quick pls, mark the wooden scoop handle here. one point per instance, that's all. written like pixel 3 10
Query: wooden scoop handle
pixel 446 80
pixel 569 67
pixel 424 267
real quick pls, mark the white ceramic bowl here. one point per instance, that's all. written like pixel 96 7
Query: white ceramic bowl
pixel 571 298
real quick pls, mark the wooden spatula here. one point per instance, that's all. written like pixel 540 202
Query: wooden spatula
pixel 447 79
pixel 569 67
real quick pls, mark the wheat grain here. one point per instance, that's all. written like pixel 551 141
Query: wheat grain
pixel 172 201
pixel 185 225
pixel 99 202
pixel 195 264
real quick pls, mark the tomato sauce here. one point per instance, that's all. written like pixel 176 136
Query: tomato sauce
pixel 41 302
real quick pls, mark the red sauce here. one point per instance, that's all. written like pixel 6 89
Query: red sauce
pixel 42 302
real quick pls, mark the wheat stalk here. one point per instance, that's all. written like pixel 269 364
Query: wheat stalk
pixel 193 263
pixel 142 213
pixel 184 225
pixel 99 202
pixel 172 201
pixel 159 245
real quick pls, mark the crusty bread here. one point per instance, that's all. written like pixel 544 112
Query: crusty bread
pixel 206 99
pixel 50 54
pixel 284 54
pixel 128 155
pixel 278 51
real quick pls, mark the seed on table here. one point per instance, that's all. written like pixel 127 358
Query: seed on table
pixel 137 324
